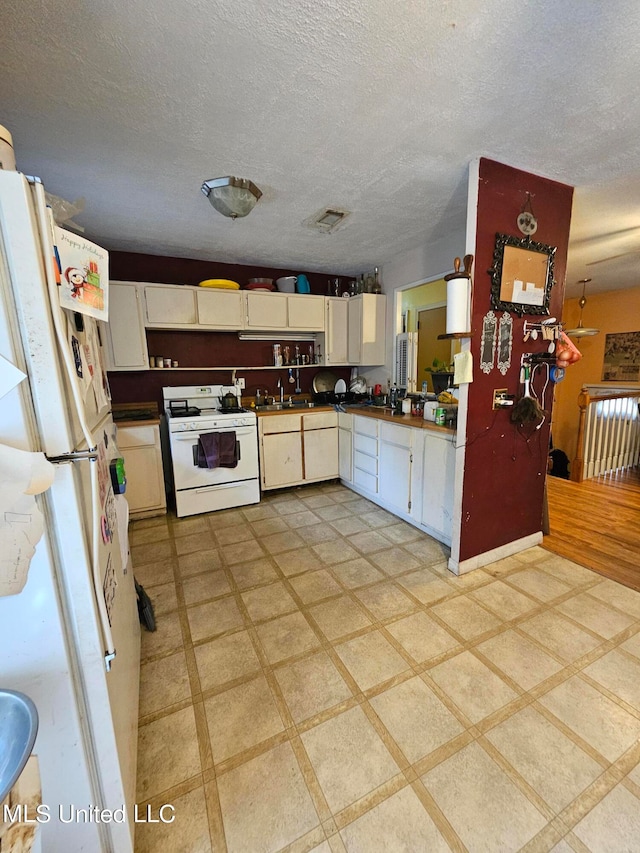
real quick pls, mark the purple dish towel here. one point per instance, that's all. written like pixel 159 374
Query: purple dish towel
pixel 217 450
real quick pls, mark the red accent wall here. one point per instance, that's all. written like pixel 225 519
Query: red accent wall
pixel 505 468
pixel 192 349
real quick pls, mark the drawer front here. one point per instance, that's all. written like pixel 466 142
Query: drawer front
pixel 365 426
pixel 345 420
pixel 365 481
pixel 365 463
pixel 395 434
pixel 279 423
pixel 366 444
pixel 320 420
pixel 142 436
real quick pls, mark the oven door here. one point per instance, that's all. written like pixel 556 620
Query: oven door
pixel 187 474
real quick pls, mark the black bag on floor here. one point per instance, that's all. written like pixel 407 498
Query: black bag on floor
pixel 145 608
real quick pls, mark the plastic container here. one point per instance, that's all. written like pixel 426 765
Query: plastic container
pixel 286 284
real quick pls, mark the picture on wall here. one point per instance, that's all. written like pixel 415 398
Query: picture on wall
pixel 522 275
pixel 621 357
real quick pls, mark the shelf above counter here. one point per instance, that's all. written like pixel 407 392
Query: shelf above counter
pixel 259 367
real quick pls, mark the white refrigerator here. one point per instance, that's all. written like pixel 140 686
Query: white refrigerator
pixel 71 638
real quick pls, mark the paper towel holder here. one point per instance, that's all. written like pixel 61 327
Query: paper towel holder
pixel 456 288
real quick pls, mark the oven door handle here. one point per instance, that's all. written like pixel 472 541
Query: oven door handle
pixel 195 436
pixel 233 485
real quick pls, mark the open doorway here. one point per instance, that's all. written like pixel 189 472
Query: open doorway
pixel 431 322
pixel 423 311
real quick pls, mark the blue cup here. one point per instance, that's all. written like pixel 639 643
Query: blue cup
pixel 302 284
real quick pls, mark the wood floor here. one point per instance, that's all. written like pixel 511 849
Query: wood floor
pixel 596 523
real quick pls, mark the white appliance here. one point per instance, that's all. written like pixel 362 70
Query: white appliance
pixel 71 638
pixel 194 411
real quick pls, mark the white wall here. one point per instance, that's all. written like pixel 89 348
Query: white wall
pixel 414 267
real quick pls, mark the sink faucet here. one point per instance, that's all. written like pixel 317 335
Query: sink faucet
pixel 281 387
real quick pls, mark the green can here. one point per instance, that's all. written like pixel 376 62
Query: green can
pixel 440 417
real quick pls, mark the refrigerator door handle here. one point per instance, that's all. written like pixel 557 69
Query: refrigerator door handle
pixel 78 456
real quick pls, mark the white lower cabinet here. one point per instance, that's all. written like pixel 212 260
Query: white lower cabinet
pixel 395 465
pixel 140 448
pixel 407 470
pixel 297 448
pixel 438 478
pixel 281 460
pixel 365 454
pixel 345 442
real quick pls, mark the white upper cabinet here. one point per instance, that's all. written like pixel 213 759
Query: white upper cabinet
pixel 220 309
pixel 125 339
pixel 367 337
pixel 305 312
pixel 266 310
pixel 337 330
pixel 284 312
pixel 169 305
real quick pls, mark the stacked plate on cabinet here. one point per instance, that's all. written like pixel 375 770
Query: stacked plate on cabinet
pixel 260 284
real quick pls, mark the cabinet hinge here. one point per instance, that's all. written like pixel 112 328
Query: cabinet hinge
pixel 411 457
pixel 409 506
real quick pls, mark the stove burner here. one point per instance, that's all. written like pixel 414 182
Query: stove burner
pixel 181 409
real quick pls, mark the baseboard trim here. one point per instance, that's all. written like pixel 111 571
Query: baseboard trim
pixel 463 566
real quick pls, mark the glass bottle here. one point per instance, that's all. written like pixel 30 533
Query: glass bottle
pixel 376 286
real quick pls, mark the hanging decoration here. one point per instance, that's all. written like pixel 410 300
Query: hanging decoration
pixel 489 338
pixel 505 342
pixel 527 222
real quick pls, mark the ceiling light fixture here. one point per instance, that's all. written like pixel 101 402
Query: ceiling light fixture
pixel 580 331
pixel 233 197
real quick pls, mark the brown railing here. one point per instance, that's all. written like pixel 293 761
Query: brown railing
pixel 608 433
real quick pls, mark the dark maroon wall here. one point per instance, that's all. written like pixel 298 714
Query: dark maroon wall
pixel 192 349
pixel 505 468
pixel 131 266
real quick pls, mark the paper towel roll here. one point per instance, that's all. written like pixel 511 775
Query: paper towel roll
pixel 458 305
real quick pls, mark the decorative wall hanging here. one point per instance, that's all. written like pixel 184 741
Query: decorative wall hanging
pixel 527 222
pixel 522 275
pixel 489 337
pixel 505 343
pixel 621 357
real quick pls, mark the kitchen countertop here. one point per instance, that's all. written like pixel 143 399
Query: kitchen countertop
pixel 385 414
pixel 379 413
pixel 135 414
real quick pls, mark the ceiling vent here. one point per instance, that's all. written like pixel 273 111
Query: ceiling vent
pixel 327 220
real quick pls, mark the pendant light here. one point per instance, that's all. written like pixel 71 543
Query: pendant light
pixel 580 331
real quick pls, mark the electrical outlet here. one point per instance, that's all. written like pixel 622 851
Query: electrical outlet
pixel 241 383
pixel 502 400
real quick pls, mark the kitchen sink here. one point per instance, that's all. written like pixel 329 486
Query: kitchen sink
pixel 18 729
pixel 278 407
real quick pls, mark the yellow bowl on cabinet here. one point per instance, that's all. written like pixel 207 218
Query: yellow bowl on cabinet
pixel 220 282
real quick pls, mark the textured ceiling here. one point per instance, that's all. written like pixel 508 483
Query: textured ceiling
pixel 373 106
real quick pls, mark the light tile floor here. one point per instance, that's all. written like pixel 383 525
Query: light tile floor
pixel 320 682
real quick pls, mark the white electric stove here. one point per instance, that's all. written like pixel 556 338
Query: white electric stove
pixel 191 412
